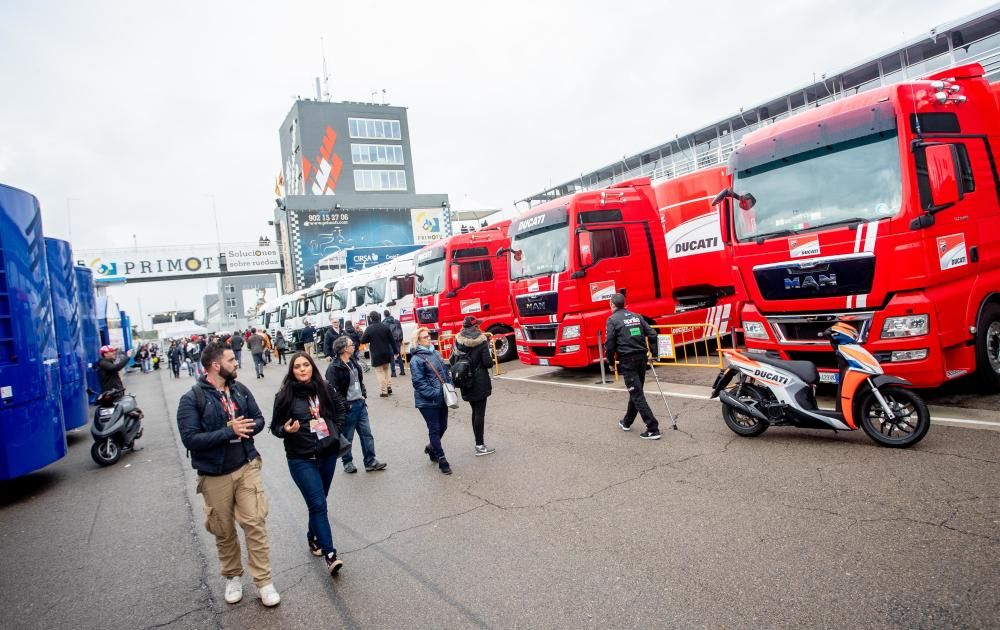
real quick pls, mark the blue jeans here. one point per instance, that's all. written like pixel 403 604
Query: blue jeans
pixel 437 423
pixel 258 363
pixel 239 357
pixel 313 477
pixel 398 360
pixel 357 420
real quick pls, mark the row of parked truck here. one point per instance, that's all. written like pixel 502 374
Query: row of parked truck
pixel 881 210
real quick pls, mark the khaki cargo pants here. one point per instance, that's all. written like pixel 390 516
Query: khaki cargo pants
pixel 238 498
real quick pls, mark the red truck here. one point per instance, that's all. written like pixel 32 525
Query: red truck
pixel 568 256
pixel 881 210
pixel 462 275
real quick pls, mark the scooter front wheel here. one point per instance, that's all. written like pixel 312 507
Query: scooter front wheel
pixel 739 422
pixel 106 452
pixel 911 422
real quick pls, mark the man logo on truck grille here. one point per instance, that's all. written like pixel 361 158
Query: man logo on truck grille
pixel 814 283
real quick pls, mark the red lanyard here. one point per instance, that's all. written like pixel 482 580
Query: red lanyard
pixel 228 406
pixel 314 406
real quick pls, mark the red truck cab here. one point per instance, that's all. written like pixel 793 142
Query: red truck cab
pixel 881 210
pixel 463 275
pixel 700 263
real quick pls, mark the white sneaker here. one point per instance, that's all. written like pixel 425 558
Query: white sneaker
pixel 269 595
pixel 234 589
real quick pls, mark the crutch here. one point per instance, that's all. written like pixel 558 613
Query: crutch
pixel 673 418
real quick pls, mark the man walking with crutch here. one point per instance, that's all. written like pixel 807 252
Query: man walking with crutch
pixel 627 336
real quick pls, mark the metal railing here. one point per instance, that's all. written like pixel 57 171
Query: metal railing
pixel 688 345
pixel 716 152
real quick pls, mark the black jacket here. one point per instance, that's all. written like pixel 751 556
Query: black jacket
pixel 206 435
pixel 108 370
pixel 475 345
pixel 307 334
pixel 383 346
pixel 303 443
pixel 337 374
pixel 396 328
pixel 236 342
pixel 627 335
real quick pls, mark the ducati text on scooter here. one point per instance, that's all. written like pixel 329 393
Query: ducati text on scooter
pixel 775 392
pixel 117 425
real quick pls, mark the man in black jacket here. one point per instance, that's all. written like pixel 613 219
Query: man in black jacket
pixel 217 419
pixel 627 336
pixel 397 334
pixel 345 374
pixel 108 368
pixel 382 349
pixel 308 338
pixel 237 343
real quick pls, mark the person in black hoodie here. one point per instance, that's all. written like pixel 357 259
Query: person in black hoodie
pixel 472 348
pixel 309 416
pixel 383 350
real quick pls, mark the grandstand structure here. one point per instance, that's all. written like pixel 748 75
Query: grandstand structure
pixel 974 38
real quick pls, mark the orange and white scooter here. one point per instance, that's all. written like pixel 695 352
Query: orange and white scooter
pixel 770 392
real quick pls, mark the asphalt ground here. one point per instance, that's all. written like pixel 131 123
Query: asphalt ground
pixel 571 523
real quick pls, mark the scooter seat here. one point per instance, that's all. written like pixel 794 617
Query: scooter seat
pixel 805 370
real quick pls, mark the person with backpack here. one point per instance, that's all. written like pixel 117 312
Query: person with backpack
pixel 382 349
pixel 471 361
pixel 309 417
pixel 397 334
pixel 428 372
pixel 217 419
pixel 280 346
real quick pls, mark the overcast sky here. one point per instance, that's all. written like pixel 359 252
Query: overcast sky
pixel 130 118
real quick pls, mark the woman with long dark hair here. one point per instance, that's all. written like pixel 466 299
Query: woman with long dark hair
pixel 309 416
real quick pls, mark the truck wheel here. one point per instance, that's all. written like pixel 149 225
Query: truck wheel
pixel 988 347
pixel 504 344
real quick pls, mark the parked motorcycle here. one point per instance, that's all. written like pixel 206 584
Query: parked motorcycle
pixel 117 425
pixel 773 392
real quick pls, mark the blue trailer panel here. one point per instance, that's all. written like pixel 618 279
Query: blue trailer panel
pixel 69 342
pixel 32 434
pixel 89 330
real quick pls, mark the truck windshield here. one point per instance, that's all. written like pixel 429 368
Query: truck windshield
pixel 340 299
pixel 375 291
pixel 540 252
pixel 853 181
pixel 430 274
pixel 314 305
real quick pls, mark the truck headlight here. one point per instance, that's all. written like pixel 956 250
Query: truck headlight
pixel 909 326
pixel 754 330
pixel 571 332
pixel 569 349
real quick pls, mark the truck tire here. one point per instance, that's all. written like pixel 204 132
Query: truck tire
pixel 988 347
pixel 506 349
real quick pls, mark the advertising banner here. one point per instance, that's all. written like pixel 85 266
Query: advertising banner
pixel 187 261
pixel 428 224
pixel 253 299
pixel 316 234
pixel 364 257
pixel 263 259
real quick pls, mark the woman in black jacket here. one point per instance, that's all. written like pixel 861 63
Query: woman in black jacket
pixel 309 416
pixel 473 348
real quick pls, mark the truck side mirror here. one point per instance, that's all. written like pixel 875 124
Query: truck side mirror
pixel 585 243
pixel 942 175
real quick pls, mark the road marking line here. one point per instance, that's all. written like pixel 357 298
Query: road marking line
pixel 605 388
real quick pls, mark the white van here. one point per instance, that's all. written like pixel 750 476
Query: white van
pixel 390 287
pixel 348 298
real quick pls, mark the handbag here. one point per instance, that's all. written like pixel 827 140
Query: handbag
pixel 447 389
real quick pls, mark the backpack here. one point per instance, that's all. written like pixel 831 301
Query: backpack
pixel 461 369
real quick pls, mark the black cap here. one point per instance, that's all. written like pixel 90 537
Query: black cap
pixel 470 321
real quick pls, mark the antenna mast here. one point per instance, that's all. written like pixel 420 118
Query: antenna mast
pixel 326 74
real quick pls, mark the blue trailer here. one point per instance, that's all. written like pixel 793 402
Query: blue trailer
pixel 32 434
pixel 87 300
pixel 69 341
